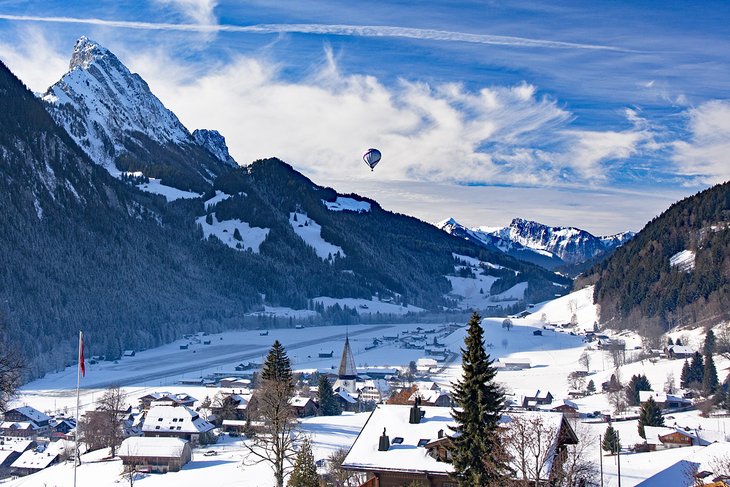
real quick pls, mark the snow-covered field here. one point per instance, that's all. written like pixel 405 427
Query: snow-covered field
pixel 247 238
pixel 311 232
pixel 553 355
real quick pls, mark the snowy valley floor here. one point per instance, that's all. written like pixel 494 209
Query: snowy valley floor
pixel 553 356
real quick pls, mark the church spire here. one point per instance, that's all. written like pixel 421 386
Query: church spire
pixel 347 364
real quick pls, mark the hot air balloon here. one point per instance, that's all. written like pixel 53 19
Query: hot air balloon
pixel 372 157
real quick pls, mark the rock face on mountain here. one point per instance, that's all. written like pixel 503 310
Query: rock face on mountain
pixel 115 118
pixel 215 143
pixel 549 247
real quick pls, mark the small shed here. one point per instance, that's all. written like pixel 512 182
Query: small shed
pixel 160 455
pixel 537 333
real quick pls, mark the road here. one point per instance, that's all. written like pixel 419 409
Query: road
pixel 177 368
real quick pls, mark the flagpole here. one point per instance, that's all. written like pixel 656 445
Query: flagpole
pixel 77 454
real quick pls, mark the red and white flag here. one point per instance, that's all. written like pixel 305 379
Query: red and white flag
pixel 82 365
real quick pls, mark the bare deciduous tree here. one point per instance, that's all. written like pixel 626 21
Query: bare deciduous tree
pixel 530 441
pixel 577 467
pixel 102 428
pixel 339 477
pixel 10 369
pixel 585 361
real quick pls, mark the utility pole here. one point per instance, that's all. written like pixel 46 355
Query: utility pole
pixel 600 456
pixel 618 454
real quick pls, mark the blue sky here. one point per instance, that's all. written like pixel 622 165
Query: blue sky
pixel 594 114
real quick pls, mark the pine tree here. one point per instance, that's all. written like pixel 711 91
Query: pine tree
pixel 305 471
pixel 709 379
pixel 678 342
pixel 478 455
pixel 684 378
pixel 636 384
pixel 591 388
pixel 237 235
pixel 670 342
pixel 328 405
pixel 650 415
pixel 611 441
pixel 277 366
pixel 696 370
pixel 710 341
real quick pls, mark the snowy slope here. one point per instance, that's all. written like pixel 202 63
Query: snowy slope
pixel 251 238
pixel 311 232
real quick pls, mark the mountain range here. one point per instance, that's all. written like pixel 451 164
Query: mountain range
pixel 119 221
pixel 558 248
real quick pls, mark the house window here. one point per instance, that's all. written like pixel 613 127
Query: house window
pixel 423 442
pixel 159 419
pixel 174 420
pixel 397 440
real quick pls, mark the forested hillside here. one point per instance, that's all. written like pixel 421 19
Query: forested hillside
pixel 81 249
pixel 675 271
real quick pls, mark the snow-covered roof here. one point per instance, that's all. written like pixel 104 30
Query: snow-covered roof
pixel 15 445
pixel 661 397
pixel 178 419
pixel 652 434
pixel 407 455
pixel 428 395
pixel 142 446
pixel 346 396
pixel 299 402
pixel 18 425
pixel 681 350
pixel 703 459
pixel 32 413
pixel 34 460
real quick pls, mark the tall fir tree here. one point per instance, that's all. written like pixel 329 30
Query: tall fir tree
pixel 709 379
pixel 686 373
pixel 328 405
pixel 305 471
pixel 710 342
pixel 650 415
pixel 478 455
pixel 611 442
pixel 696 370
pixel 636 384
pixel 277 366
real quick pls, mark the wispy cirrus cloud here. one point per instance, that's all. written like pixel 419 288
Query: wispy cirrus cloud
pixel 705 156
pixel 202 13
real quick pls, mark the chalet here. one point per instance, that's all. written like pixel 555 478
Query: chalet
pixel 378 372
pixel 664 400
pixel 232 406
pixel 679 351
pixel 374 390
pixel 514 363
pixel 567 407
pixel 32 461
pixel 129 353
pixel 347 401
pixel 157 455
pixel 404 445
pixel 235 383
pixel 435 397
pixel 329 354
pixel 160 398
pixel 25 422
pixel 537 333
pixel 177 421
pixel 531 399
pixel 708 463
pixel 303 407
pixel 11 449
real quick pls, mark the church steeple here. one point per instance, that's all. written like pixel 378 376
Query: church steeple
pixel 347 363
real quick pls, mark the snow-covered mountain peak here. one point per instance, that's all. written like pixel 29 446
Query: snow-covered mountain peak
pixel 215 143
pixel 86 52
pixel 448 224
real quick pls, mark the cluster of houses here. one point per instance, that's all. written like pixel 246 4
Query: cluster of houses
pixel 29 440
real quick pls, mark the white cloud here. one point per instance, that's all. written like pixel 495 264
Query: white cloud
pixel 35 60
pixel 706 156
pixel 200 12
